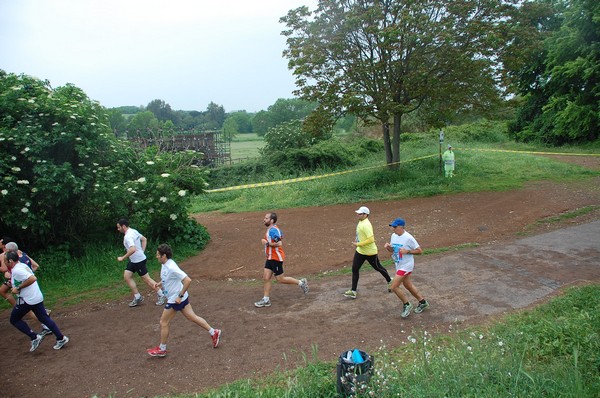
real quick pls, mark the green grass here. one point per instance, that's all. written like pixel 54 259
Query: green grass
pixel 565 216
pixel 245 146
pixel 96 276
pixel 551 351
pixel 476 170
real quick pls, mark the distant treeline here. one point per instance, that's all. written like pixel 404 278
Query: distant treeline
pixel 130 121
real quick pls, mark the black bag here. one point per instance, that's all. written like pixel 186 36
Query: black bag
pixel 351 376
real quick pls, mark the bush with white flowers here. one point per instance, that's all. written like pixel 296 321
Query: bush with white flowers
pixel 65 178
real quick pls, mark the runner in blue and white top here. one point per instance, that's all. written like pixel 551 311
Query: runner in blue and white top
pixel 403 247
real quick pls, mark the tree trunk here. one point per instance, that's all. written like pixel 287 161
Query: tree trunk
pixel 386 142
pixel 396 138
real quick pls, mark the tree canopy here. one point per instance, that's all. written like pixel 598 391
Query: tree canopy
pixel 384 59
pixel 283 110
pixel 560 83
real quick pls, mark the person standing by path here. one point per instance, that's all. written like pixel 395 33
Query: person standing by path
pixel 404 247
pixel 175 284
pixel 135 245
pixel 366 249
pixel 448 158
pixel 274 264
pixel 30 298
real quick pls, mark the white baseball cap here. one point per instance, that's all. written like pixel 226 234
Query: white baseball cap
pixel 363 210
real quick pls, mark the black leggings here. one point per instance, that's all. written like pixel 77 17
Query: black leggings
pixel 22 308
pixel 359 260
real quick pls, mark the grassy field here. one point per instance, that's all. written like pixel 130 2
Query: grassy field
pixel 478 168
pixel 245 146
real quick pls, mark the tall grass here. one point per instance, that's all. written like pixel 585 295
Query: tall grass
pixel 477 169
pixel 551 351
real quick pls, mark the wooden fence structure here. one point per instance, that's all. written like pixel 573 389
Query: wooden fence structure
pixel 212 148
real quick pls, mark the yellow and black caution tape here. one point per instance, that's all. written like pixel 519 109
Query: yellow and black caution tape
pixel 309 178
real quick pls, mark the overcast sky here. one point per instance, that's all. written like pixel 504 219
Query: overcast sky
pixel 130 52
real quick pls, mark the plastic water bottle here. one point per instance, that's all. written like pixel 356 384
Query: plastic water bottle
pixel 356 357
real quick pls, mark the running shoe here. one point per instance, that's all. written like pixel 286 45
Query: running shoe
pixel 304 285
pixel 35 343
pixel 61 343
pixel 135 302
pixel 216 338
pixel 161 300
pixel 263 303
pixel 45 331
pixel 421 307
pixel 156 352
pixel 406 310
pixel 389 286
pixel 350 294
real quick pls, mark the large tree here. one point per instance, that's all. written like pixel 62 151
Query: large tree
pixel 283 110
pixel 142 124
pixel 384 59
pixel 162 110
pixel 560 81
pixel 214 116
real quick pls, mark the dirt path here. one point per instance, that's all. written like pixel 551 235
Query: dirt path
pixel 107 355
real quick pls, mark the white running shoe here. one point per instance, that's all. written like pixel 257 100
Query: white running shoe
pixel 406 310
pixel 35 343
pixel 161 300
pixel 135 302
pixel 304 285
pixel 61 343
pixel 262 303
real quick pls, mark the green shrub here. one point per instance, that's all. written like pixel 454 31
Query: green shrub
pixel 330 154
pixel 484 131
pixel 240 173
pixel 287 135
pixel 366 145
pixel 67 179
